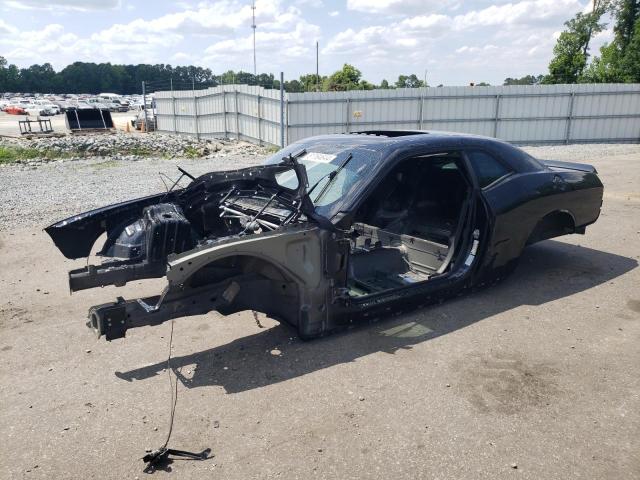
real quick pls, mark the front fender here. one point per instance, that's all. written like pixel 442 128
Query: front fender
pixel 297 251
pixel 74 236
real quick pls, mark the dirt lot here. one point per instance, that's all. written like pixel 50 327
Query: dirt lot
pixel 537 377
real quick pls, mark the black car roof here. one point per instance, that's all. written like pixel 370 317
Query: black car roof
pixel 386 142
pixel 415 137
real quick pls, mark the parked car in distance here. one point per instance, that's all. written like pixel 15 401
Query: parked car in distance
pixel 331 230
pixel 64 105
pixel 50 108
pixel 121 105
pixel 100 104
pixel 81 105
pixel 126 105
pixel 15 110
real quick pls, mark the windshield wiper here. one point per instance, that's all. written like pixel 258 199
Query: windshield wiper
pixel 332 175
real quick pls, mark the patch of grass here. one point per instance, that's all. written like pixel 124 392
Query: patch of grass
pixel 106 164
pixel 12 154
pixel 191 152
pixel 272 149
pixel 15 154
pixel 138 151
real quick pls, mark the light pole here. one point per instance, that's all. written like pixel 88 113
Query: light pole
pixel 253 26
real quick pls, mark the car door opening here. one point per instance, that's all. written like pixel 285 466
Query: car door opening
pixel 407 229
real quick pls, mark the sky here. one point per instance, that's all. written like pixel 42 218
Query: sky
pixel 454 42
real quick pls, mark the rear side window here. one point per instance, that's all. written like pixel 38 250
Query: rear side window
pixel 487 168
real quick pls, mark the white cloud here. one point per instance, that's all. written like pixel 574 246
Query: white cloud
pixel 281 33
pixel 310 3
pixel 402 7
pixel 528 11
pixel 287 44
pixel 217 19
pixel 6 29
pixel 454 40
pixel 39 45
pixel 79 5
pixel 182 57
pixel 389 40
pixel 474 49
pixel 427 22
pixel 138 32
pixel 516 38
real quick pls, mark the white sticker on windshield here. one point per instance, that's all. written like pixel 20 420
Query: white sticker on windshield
pixel 319 157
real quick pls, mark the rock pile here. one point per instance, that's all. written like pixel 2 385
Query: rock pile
pixel 131 146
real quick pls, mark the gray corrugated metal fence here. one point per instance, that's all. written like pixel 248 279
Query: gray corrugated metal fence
pixel 518 114
pixel 236 111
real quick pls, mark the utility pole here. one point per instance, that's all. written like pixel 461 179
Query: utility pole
pixel 317 69
pixel 281 109
pixel 144 104
pixel 253 26
pixel 195 107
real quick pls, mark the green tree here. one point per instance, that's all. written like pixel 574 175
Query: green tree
pixel 38 78
pixel 9 76
pixel 526 80
pixel 265 80
pixel 293 86
pixel 384 84
pixel 347 78
pixel 630 64
pixel 618 61
pixel 627 13
pixel 571 51
pixel 312 82
pixel 364 85
pixel 87 77
pixel 409 81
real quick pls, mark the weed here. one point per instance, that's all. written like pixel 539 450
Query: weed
pixel 191 152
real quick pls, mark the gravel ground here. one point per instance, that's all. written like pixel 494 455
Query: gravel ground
pixel 534 378
pixel 41 192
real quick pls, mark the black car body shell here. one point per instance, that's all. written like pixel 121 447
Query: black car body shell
pixel 536 200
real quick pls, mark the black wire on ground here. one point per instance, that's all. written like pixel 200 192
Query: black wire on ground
pixel 173 386
pixel 155 458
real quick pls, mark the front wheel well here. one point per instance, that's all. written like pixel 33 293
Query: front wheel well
pixel 259 285
pixel 554 224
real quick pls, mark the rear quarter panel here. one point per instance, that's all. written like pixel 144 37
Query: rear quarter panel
pixel 519 202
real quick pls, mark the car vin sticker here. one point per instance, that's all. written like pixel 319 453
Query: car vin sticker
pixel 320 157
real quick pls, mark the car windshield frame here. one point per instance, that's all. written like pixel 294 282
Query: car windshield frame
pixel 320 160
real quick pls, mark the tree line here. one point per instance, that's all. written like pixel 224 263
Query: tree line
pixel 618 62
pixel 84 77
